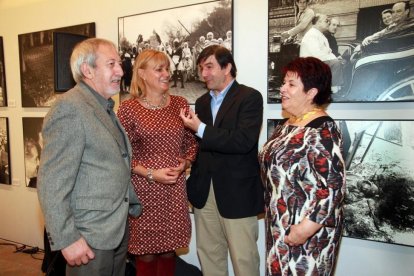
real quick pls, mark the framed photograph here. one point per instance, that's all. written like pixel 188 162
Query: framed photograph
pixel 182 33
pixel 33 144
pixel 5 171
pixel 379 158
pixel 271 124
pixel 370 56
pixel 379 155
pixel 63 44
pixel 3 88
pixel 37 64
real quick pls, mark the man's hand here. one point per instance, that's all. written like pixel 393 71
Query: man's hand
pixel 284 36
pixel 366 41
pixel 78 253
pixel 190 120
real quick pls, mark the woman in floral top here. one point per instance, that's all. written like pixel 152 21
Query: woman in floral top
pixel 303 170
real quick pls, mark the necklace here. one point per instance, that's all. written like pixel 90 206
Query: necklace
pixel 297 119
pixel 155 107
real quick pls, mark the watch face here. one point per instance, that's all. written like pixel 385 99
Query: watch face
pixel 150 177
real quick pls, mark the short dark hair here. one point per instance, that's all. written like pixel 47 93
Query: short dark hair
pixel 315 19
pixel 314 74
pixel 386 11
pixel 222 55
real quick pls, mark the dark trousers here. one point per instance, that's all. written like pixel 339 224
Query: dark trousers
pixel 54 264
pixel 178 74
pixel 106 262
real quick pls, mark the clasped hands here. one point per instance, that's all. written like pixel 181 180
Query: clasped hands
pixel 165 175
pixel 170 175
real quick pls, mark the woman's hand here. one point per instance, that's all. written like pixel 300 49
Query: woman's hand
pixel 184 164
pixel 167 176
pixel 300 233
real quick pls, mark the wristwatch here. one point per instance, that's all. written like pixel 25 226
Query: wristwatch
pixel 150 177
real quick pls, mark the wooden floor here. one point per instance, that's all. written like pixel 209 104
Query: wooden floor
pixel 14 263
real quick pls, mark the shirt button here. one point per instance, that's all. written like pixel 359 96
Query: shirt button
pixel 124 155
pixel 126 199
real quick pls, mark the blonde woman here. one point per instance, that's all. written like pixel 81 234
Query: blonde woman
pixel 162 150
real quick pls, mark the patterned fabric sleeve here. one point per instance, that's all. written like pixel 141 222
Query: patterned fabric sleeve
pixel 328 168
pixel 124 112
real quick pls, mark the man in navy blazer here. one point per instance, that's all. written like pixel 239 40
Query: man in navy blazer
pixel 84 182
pixel 224 185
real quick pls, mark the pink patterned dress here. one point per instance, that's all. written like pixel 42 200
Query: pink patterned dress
pixel 158 138
pixel 303 172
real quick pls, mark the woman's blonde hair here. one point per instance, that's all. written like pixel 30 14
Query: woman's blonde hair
pixel 147 58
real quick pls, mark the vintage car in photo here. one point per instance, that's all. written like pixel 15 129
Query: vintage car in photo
pixel 382 71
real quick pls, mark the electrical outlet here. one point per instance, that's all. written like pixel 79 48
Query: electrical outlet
pixel 16 182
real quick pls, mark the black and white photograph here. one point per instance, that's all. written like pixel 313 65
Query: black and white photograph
pixel 182 33
pixel 369 46
pixel 3 88
pixel 271 124
pixel 37 64
pixel 33 145
pixel 379 203
pixel 5 176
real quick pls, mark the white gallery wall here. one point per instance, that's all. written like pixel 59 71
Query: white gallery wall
pixel 20 215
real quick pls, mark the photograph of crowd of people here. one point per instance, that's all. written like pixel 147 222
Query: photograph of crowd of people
pixel 3 92
pixel 379 202
pixel 5 177
pixel 182 33
pixel 36 64
pixel 369 46
pixel 33 144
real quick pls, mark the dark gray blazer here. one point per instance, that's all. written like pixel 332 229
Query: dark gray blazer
pixel 84 174
pixel 227 154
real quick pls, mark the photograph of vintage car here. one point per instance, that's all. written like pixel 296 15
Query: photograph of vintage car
pixel 369 46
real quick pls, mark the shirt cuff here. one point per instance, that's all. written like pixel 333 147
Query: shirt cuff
pixel 200 130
